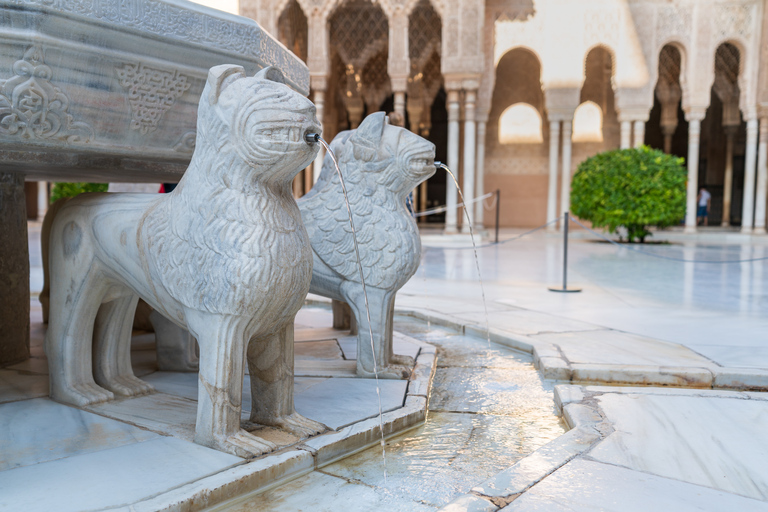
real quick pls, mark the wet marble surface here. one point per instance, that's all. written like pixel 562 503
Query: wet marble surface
pixel 592 486
pixel 698 439
pixel 469 435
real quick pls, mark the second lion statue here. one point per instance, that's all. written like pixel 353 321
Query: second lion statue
pixel 381 165
pixel 224 255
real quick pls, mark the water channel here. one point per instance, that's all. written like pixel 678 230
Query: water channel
pixel 489 408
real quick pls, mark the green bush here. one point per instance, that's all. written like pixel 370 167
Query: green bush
pixel 634 188
pixel 60 190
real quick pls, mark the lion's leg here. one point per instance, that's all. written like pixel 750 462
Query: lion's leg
pixel 381 303
pixel 270 365
pixel 112 347
pixel 175 346
pixel 220 385
pixel 76 293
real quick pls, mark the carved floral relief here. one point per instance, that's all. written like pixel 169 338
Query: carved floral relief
pixel 33 108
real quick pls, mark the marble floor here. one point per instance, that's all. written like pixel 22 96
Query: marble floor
pixel 123 452
pixel 499 435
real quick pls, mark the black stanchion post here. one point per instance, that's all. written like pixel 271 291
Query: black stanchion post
pixel 565 288
pixel 498 204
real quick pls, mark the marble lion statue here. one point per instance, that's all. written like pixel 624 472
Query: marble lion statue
pixel 225 255
pixel 381 165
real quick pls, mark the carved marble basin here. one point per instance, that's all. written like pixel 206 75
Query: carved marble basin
pixel 107 90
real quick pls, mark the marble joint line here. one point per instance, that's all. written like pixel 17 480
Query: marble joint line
pixel 255 477
pixel 553 364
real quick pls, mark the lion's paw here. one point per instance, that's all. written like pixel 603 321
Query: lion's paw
pixel 299 425
pixel 82 395
pixel 129 385
pixel 402 360
pixel 243 444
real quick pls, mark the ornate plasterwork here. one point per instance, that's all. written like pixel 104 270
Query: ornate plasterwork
pixel 184 23
pixel 734 20
pixel 674 22
pixel 151 92
pixel 33 108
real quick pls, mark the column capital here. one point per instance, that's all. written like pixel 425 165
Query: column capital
pixel 633 114
pixel 318 81
pixel 466 81
pixel 399 83
pixel 695 113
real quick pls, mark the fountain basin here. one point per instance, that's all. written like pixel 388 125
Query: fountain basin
pixel 108 91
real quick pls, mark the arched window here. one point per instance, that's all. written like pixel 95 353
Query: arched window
pixel 520 124
pixel 588 123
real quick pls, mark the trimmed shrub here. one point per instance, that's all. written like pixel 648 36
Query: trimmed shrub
pixel 633 188
pixel 60 190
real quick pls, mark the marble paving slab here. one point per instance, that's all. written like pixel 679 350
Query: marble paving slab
pixel 527 322
pixel 42 430
pixel 323 349
pixel 400 346
pixel 716 442
pixel 340 402
pixel 616 347
pixel 327 368
pixel 317 334
pixel 21 386
pixel 586 486
pixel 109 478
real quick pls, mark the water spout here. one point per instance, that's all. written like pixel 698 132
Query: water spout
pixel 314 138
pixel 474 245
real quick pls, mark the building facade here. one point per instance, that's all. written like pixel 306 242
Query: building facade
pixel 516 93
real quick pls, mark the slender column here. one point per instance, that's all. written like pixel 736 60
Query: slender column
pixel 479 209
pixel 730 131
pixel 470 155
pixel 554 141
pixel 42 199
pixel 400 103
pixel 14 271
pixel 747 211
pixel 668 132
pixel 453 160
pixel 626 133
pixel 319 98
pixel 639 134
pixel 694 133
pixel 762 177
pixel 565 184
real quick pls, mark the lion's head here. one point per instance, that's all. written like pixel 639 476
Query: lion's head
pixel 259 118
pixel 401 159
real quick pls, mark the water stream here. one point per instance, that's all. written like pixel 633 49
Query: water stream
pixel 474 246
pixel 314 138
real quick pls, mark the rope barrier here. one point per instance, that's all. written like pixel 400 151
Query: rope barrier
pixel 491 244
pixel 441 209
pixel 660 256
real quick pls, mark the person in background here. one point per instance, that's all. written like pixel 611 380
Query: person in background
pixel 703 201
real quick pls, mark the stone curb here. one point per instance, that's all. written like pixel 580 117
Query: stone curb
pixel 553 365
pixel 251 478
pixel 588 427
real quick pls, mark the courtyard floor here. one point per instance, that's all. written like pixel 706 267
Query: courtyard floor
pixel 658 370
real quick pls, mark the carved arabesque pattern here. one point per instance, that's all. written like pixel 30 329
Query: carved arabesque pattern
pixel 424 41
pixel 669 64
pixel 376 83
pixel 293 30
pixel 727 63
pixel 355 27
pixel 33 108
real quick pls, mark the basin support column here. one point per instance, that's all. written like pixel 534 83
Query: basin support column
pixel 14 271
